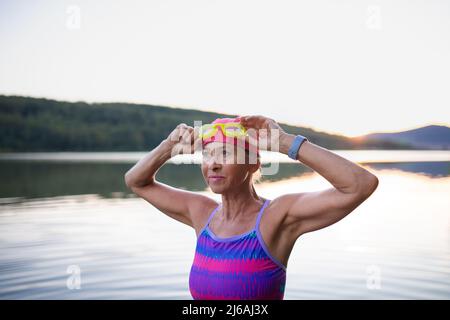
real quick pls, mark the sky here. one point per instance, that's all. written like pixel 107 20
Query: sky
pixel 348 67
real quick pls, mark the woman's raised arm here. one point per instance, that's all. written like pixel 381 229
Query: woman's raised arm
pixel 309 211
pixel 184 206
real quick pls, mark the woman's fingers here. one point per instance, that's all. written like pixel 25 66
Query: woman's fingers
pixel 196 140
pixel 186 134
pixel 256 122
pixel 191 139
pixel 185 139
pixel 265 131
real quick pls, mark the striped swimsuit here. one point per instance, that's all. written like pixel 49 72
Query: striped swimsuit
pixel 235 268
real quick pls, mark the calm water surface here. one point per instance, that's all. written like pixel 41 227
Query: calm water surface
pixel 63 213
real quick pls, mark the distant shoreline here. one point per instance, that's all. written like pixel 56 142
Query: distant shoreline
pixel 43 125
pixel 362 156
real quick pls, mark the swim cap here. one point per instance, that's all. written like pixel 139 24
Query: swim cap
pixel 220 137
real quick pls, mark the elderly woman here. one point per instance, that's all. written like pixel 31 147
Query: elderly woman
pixel 244 242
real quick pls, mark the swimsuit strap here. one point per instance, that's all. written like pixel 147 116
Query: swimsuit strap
pixel 258 219
pixel 212 214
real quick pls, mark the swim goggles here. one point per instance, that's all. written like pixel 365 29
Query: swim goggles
pixel 230 129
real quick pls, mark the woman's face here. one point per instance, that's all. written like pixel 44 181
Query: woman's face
pixel 226 167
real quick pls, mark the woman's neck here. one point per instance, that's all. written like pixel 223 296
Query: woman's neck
pixel 237 204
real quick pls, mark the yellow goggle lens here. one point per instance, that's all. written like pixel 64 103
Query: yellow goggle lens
pixel 228 129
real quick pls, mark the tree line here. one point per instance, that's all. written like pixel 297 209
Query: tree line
pixel 36 124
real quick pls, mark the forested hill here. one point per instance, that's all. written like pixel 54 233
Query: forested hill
pixel 35 124
pixel 429 137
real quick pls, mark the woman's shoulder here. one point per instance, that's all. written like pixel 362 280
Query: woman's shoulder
pixel 276 210
pixel 278 204
pixel 202 211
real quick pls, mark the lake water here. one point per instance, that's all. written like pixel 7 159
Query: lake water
pixel 67 221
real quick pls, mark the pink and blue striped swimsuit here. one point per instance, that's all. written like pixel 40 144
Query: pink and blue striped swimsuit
pixel 235 268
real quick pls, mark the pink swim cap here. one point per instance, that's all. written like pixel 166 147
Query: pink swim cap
pixel 220 137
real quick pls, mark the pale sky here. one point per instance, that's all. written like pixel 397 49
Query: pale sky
pixel 350 67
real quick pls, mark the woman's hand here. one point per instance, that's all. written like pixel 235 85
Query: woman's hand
pixel 184 140
pixel 264 131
